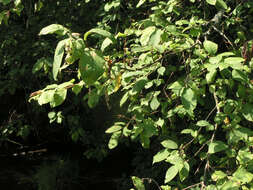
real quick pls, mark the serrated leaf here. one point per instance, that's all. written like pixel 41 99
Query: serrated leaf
pixel 58 55
pixel 91 67
pixel 247 111
pixel 54 28
pixel 161 155
pixel 217 146
pixel 169 144
pixel 170 174
pixel 210 47
pixel 113 129
pixel 239 76
pixel 138 183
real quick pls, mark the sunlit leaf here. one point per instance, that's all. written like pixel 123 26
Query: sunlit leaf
pixel 170 174
pixel 91 67
pixel 113 129
pixel 140 3
pixel 58 55
pixel 154 104
pixel 189 100
pixel 243 175
pixel 211 2
pixel 218 175
pixel 113 142
pixel 146 33
pixel 169 144
pixel 217 146
pixel 161 155
pixel 54 28
pixel 138 183
pixel 239 76
pixel 210 47
pixel 247 111
pixel 184 172
pixel 98 31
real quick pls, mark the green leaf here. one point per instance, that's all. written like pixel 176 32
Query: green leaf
pixel 5 2
pixel 140 3
pixel 106 43
pixel 203 123
pixel 113 142
pixel 210 47
pixel 46 97
pixel 138 183
pixel 54 28
pixel 161 71
pixel 169 144
pixel 216 146
pixel 93 98
pixel 184 172
pixel 243 175
pixel 161 155
pixel 91 67
pixel 239 76
pixel 189 100
pixel 170 174
pixel 217 175
pixel 234 62
pixel 113 129
pixel 155 38
pixel 59 97
pixel 38 65
pixel 221 4
pixel 247 111
pixel 124 99
pixel 154 104
pixel 58 55
pixel 177 87
pixel 78 87
pixel 210 76
pixel 98 31
pixel 211 2
pixel 146 33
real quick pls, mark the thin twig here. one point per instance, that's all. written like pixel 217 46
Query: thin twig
pixel 197 184
pixel 154 181
pixel 223 35
pixel 207 166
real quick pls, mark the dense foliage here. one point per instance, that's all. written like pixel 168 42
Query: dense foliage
pixel 176 74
